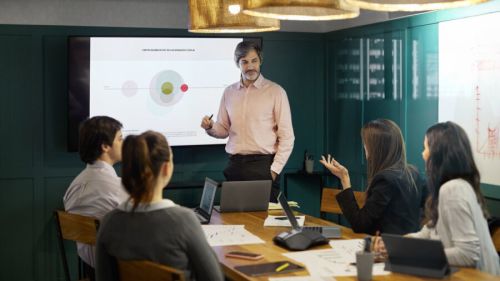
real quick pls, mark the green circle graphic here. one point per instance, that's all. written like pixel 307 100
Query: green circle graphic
pixel 167 88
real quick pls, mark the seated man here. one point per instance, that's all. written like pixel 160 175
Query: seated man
pixel 97 189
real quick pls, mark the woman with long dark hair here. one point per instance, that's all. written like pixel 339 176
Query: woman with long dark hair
pixel 456 210
pixel 148 227
pixel 395 192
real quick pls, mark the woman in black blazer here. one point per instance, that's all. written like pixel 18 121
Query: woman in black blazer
pixel 395 193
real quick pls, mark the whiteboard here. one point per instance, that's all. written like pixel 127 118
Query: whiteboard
pixel 469 86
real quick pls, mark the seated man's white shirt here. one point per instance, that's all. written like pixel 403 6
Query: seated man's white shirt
pixel 94 192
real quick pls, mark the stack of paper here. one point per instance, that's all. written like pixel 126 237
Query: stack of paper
pixel 277 206
pixel 337 261
pixel 224 235
pixel 282 221
pixel 303 278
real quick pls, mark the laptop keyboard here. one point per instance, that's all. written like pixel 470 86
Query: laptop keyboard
pixel 200 217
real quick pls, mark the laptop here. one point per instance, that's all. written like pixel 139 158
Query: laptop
pixel 327 231
pixel 244 196
pixel 416 256
pixel 204 211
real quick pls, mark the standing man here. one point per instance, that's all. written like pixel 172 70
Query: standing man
pixel 254 113
pixel 97 189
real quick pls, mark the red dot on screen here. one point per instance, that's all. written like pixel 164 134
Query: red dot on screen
pixel 184 87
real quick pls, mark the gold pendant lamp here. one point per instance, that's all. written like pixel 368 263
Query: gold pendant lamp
pixel 300 9
pixel 411 6
pixel 224 16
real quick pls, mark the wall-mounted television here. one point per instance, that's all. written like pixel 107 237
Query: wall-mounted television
pixel 164 84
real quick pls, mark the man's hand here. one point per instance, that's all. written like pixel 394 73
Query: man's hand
pixel 207 123
pixel 274 175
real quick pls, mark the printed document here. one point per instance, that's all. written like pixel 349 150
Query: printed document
pixel 337 261
pixel 303 278
pixel 282 221
pixel 224 235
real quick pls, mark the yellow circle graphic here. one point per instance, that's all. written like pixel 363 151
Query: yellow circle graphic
pixel 167 88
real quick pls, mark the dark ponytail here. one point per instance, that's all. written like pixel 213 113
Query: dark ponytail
pixel 143 157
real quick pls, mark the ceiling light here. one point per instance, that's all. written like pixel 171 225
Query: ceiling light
pixel 411 6
pixel 300 9
pixel 214 16
pixel 234 9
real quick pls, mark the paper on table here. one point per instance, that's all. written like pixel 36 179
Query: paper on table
pixel 272 221
pixel 303 278
pixel 224 235
pixel 277 206
pixel 347 249
pixel 335 261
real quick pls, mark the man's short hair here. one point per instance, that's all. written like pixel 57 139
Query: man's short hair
pixel 95 132
pixel 244 47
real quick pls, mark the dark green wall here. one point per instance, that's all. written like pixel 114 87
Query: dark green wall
pixel 35 168
pixel 398 59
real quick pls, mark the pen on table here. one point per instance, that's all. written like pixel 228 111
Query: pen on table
pixel 284 218
pixel 368 244
pixel 282 267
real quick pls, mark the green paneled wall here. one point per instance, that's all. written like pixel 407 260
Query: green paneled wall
pixel 35 168
pixel 388 70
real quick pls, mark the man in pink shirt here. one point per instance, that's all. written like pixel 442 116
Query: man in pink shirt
pixel 254 113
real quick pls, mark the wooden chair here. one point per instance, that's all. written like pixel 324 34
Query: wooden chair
pixel 76 228
pixel 147 271
pixel 329 202
pixel 496 238
pixel 494 225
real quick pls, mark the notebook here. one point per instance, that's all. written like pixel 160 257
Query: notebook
pixel 204 211
pixel 244 196
pixel 269 268
pixel 327 231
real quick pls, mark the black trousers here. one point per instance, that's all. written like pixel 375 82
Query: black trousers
pixel 88 271
pixel 252 167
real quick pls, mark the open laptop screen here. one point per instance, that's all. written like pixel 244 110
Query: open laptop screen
pixel 288 211
pixel 207 198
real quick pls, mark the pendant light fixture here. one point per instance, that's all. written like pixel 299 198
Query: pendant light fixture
pixel 411 6
pixel 300 9
pixel 224 16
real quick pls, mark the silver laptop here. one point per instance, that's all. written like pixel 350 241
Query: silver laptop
pixel 204 211
pixel 244 196
pixel 327 231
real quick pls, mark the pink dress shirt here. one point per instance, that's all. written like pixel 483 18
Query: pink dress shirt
pixel 257 120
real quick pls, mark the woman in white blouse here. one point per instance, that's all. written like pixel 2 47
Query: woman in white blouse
pixel 456 210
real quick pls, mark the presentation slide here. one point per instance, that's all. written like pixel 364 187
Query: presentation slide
pixel 161 84
pixel 469 86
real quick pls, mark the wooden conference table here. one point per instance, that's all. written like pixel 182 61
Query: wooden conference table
pixel 254 222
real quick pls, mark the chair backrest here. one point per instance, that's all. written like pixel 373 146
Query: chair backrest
pixel 496 239
pixel 75 228
pixel 329 202
pixel 147 271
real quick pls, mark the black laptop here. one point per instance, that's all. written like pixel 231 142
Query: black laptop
pixel 327 231
pixel 204 211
